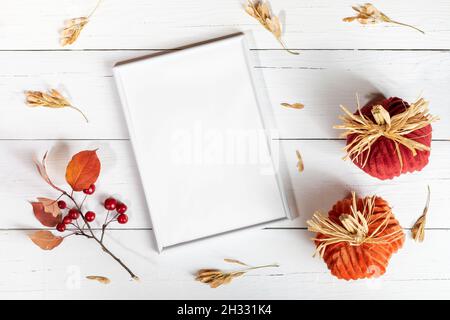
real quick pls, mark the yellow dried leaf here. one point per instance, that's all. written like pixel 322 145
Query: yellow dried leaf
pixel 293 105
pixel 300 165
pixel 418 230
pixel 53 99
pixel 368 14
pixel 73 27
pixel 215 277
pixel 260 10
pixel 100 279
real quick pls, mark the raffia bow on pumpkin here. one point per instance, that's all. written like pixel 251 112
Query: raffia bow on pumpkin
pixel 394 128
pixel 354 227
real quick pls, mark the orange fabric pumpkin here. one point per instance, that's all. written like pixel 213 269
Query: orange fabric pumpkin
pixel 358 237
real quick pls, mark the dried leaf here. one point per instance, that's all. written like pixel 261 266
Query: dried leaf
pixel 235 262
pixel 46 240
pixel 53 99
pixel 300 165
pixel 42 169
pixel 216 277
pixel 259 9
pixel 73 27
pixel 293 105
pixel 72 30
pixel 83 170
pixel 46 213
pixel 368 14
pixel 418 230
pixel 100 279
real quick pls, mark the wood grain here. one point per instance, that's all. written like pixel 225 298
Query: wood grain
pixel 320 79
pixel 326 179
pixel 140 24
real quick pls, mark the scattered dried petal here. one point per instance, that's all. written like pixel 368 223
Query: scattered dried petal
pixel 418 230
pixel 53 99
pixel 293 105
pixel 260 10
pixel 100 279
pixel 368 14
pixel 300 165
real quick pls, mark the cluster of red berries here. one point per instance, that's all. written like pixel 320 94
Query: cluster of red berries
pixel 110 204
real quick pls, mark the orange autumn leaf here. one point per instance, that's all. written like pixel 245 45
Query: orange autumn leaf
pixel 47 212
pixel 83 170
pixel 46 240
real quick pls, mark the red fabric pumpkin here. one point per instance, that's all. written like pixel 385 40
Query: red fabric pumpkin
pixel 387 158
pixel 363 255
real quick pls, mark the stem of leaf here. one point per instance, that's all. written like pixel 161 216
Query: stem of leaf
pixel 406 25
pixel 95 8
pixel 285 48
pixel 75 108
pixel 92 236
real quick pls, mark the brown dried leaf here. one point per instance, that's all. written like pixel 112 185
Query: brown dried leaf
pixel 53 99
pixel 300 165
pixel 100 279
pixel 418 230
pixel 46 240
pixel 72 30
pixel 46 213
pixel 260 10
pixel 293 105
pixel 368 14
pixel 216 277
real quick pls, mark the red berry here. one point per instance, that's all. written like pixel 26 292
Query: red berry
pixel 90 190
pixel 121 208
pixel 61 227
pixel 74 214
pixel 122 218
pixel 89 216
pixel 110 204
pixel 67 220
pixel 62 204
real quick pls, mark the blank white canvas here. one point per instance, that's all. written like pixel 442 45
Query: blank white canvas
pixel 199 142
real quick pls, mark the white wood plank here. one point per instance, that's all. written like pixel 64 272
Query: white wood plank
pixel 28 24
pixel 325 180
pixel 320 79
pixel 29 272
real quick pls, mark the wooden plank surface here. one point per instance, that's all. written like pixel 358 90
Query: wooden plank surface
pixel 326 179
pixel 141 24
pixel 320 79
pixel 337 61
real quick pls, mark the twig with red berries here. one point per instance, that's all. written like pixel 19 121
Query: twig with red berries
pixel 81 174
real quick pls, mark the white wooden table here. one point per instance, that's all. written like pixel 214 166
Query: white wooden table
pixel 336 61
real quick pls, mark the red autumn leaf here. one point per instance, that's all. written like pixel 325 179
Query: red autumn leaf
pixel 83 170
pixel 47 212
pixel 46 240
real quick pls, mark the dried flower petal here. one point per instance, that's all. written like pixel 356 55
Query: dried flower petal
pixel 300 165
pixel 418 230
pixel 368 14
pixel 73 27
pixel 100 279
pixel 216 277
pixel 293 105
pixel 53 99
pixel 259 9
